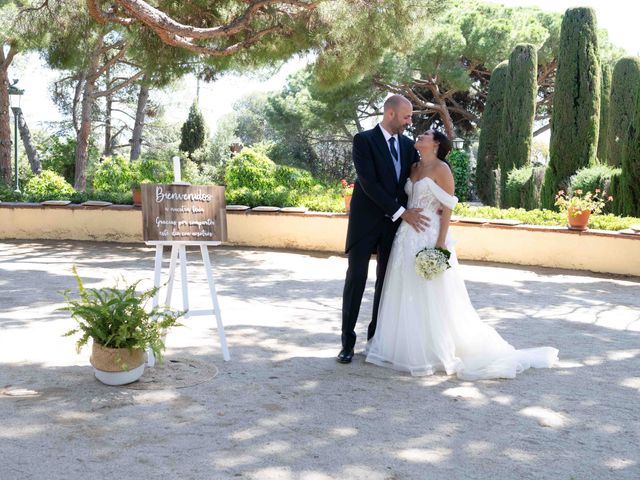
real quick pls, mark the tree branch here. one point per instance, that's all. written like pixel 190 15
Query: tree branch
pixel 34 9
pixel 184 36
pixel 115 88
pixel 105 17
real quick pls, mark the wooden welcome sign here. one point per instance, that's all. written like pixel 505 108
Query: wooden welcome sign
pixel 183 213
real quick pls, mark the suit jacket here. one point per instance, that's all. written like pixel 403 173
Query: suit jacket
pixel 378 194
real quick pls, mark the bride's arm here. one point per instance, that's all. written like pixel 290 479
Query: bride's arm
pixel 444 179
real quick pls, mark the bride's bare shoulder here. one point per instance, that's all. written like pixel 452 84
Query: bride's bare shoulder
pixel 444 177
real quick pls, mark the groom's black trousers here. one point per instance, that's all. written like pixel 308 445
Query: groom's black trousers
pixel 378 241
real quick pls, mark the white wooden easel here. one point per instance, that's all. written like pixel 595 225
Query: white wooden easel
pixel 179 250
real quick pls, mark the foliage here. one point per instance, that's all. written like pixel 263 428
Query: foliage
pixel 47 185
pixel 220 146
pixel 313 129
pixel 117 317
pixel 518 112
pixel 579 201
pixel 543 217
pixel 254 180
pixel 58 154
pixel 119 198
pixel 8 194
pixel 293 178
pixel 576 102
pixel 148 170
pixel 461 168
pixel 616 190
pixel 250 169
pixel 113 174
pixel 193 132
pixel 631 166
pixel 347 188
pixel 624 99
pixel 605 102
pixel 198 173
pixel 522 188
pixel 491 135
pixel 592 178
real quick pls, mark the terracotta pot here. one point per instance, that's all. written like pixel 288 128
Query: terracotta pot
pixel 347 203
pixel 580 221
pixel 137 196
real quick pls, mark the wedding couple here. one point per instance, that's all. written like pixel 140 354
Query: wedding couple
pixel 402 203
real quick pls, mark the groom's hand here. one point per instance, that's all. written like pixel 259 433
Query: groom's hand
pixel 417 220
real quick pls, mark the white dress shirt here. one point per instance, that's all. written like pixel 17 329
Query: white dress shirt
pixel 387 136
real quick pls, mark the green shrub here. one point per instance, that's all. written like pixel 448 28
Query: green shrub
pixel 615 190
pixel 198 174
pixel 250 169
pixel 461 166
pixel 58 154
pixel 113 174
pixel 591 178
pixel 293 178
pixel 317 198
pixel 147 170
pixel 522 189
pixel 7 194
pixel 543 217
pixel 48 185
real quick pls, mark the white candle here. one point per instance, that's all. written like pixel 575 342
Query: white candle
pixel 176 170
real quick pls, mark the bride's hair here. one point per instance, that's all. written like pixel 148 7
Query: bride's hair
pixel 444 145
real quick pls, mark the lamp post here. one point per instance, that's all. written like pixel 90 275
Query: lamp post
pixel 458 143
pixel 15 95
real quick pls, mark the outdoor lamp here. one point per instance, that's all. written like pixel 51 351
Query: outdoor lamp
pixel 15 95
pixel 458 143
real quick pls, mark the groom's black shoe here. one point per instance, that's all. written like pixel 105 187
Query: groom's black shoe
pixel 344 356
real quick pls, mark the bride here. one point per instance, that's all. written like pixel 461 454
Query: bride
pixel 425 326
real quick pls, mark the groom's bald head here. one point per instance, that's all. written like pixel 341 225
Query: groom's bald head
pixel 394 102
pixel 397 114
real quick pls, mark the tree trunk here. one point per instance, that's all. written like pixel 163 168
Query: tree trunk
pixel 29 147
pixel 5 117
pixel 88 99
pixel 136 136
pixel 443 112
pixel 108 139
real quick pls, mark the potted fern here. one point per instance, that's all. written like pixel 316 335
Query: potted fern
pixel 121 329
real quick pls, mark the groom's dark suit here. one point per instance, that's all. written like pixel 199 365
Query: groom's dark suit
pixel 377 196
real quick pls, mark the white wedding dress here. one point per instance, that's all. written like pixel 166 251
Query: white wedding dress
pixel 425 326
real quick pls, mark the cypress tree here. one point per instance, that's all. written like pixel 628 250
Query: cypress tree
pixel 490 135
pixel 605 103
pixel 519 109
pixel 624 97
pixel 193 131
pixel 576 103
pixel 630 188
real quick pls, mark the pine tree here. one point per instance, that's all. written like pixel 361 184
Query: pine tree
pixel 576 104
pixel 519 108
pixel 193 131
pixel 605 103
pixel 490 135
pixel 624 98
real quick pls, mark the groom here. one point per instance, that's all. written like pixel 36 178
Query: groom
pixel 382 157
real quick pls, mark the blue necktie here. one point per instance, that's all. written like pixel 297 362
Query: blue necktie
pixel 394 154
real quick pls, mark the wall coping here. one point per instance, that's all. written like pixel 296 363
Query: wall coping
pixel 297 212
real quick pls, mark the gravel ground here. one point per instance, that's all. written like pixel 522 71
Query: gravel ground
pixel 283 408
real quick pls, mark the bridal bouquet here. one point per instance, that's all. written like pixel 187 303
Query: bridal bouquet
pixel 432 261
